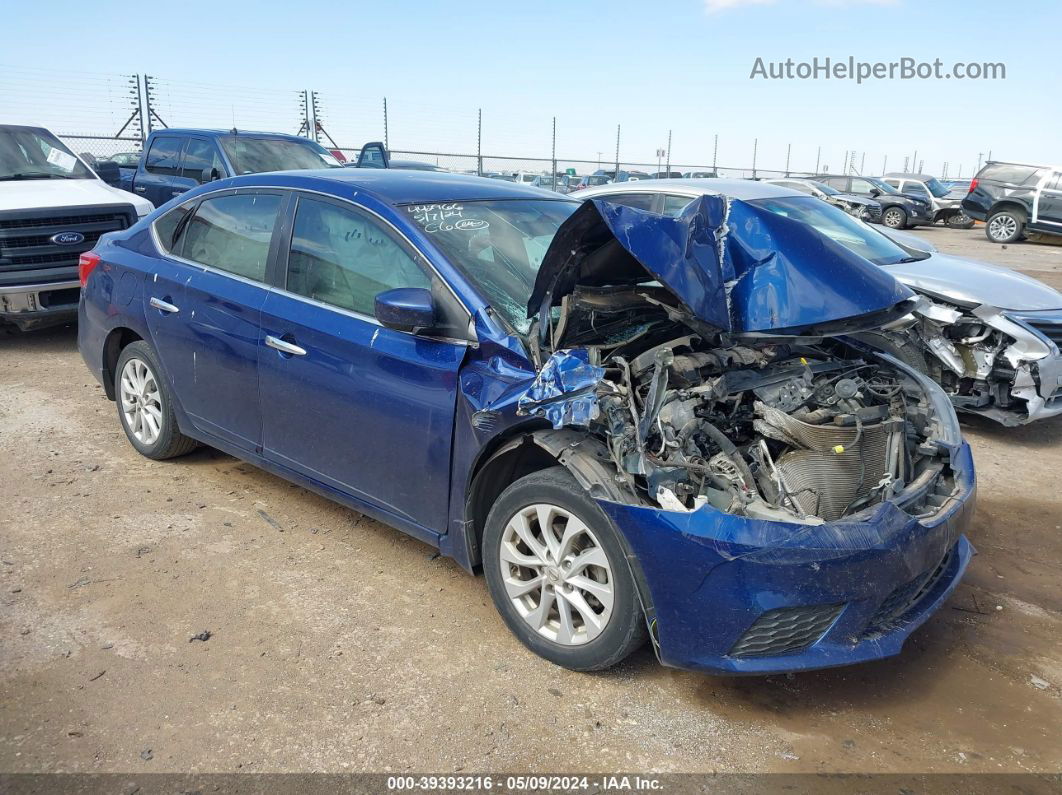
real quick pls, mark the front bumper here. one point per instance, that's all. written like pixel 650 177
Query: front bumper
pixel 32 306
pixel 860 588
pixel 920 215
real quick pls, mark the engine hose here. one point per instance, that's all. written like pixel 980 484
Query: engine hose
pixel 730 450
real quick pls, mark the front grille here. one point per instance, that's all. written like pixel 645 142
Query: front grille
pixel 1049 327
pixel 874 211
pixel 905 598
pixel 28 255
pixel 785 629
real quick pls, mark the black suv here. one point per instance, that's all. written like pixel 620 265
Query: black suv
pixel 897 210
pixel 1013 198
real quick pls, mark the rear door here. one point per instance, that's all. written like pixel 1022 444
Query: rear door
pixel 354 405
pixel 162 164
pixel 1049 204
pixel 205 310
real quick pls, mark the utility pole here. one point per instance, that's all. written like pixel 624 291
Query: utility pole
pixel 818 157
pixel 387 145
pixel 479 142
pixel 616 177
pixel 554 172
pixel 863 164
pixel 755 146
pixel 884 162
pixel 668 167
pixel 715 150
pixel 788 152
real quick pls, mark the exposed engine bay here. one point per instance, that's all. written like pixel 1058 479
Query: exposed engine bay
pixel 797 431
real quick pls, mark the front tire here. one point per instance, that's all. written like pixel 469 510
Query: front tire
pixel 894 217
pixel 1005 226
pixel 557 572
pixel 145 405
pixel 959 220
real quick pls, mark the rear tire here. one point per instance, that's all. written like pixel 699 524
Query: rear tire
pixel 1005 226
pixel 959 220
pixel 145 405
pixel 580 569
pixel 894 217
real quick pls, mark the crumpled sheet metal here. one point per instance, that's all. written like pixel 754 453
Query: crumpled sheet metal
pixel 732 264
pixel 564 390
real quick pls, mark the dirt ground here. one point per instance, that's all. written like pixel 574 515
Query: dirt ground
pixel 339 644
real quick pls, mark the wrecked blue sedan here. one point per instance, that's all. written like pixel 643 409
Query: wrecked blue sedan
pixel 639 427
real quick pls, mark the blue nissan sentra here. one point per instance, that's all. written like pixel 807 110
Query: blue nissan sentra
pixel 638 426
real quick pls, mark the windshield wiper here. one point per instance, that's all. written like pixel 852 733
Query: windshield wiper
pixel 9 177
pixel 905 260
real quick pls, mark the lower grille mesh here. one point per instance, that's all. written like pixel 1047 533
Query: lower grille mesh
pixel 785 629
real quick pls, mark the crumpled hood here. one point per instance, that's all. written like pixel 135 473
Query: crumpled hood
pixel 972 282
pixel 42 194
pixel 731 264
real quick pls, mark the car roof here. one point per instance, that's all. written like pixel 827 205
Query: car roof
pixel 215 133
pixel 401 186
pixel 746 189
pixel 905 175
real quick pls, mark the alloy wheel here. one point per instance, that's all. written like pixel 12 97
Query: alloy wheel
pixel 1002 227
pixel 893 219
pixel 141 401
pixel 556 574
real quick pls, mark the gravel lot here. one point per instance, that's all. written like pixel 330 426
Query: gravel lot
pixel 338 644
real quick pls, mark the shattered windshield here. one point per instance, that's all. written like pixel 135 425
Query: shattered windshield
pixel 498 245
pixel 841 227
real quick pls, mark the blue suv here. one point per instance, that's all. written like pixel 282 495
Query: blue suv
pixel 637 426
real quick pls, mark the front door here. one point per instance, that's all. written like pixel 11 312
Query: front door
pixel 1049 205
pixel 162 164
pixel 352 404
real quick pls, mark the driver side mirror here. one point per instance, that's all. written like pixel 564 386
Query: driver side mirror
pixel 875 192
pixel 409 309
pixel 108 171
pixel 209 175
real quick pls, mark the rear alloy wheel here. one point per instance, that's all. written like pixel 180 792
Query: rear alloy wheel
pixel 557 573
pixel 145 407
pixel 959 220
pixel 894 218
pixel 1004 226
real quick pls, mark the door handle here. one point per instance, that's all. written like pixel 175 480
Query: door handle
pixel 163 306
pixel 289 348
pixel 139 188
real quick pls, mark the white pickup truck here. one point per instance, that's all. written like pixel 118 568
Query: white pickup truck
pixel 52 208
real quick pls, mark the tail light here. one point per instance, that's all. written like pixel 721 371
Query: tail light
pixel 87 263
pixel 973 185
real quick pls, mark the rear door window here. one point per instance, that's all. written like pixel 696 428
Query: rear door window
pixel 164 155
pixel 640 201
pixel 1012 174
pixel 912 188
pixel 675 204
pixel 232 233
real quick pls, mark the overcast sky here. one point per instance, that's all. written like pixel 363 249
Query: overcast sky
pixel 682 65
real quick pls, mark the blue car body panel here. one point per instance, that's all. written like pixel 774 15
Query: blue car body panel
pixel 369 402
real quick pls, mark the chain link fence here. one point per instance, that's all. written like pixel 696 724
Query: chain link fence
pixel 105 114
